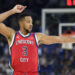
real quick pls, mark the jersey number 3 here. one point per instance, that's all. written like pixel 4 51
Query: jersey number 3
pixel 24 51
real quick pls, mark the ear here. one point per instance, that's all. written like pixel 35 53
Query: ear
pixel 20 23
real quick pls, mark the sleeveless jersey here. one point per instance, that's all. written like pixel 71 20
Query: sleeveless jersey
pixel 24 53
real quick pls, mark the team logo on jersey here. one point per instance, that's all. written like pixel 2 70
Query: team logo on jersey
pixel 24 42
pixel 31 38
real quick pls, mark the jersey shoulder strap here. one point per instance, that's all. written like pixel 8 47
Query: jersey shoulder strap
pixel 35 37
pixel 13 39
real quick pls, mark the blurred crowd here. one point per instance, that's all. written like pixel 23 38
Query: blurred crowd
pixel 53 59
pixel 57 62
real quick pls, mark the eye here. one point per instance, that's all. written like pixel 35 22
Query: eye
pixel 28 21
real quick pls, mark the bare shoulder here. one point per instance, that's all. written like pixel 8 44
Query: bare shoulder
pixel 40 35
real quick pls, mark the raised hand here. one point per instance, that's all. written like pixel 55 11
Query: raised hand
pixel 18 9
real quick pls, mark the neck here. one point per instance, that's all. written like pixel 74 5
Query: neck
pixel 23 31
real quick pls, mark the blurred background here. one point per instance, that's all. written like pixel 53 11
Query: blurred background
pixel 55 59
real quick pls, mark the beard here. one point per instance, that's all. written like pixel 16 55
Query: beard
pixel 27 31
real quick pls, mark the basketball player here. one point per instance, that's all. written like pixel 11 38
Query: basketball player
pixel 24 43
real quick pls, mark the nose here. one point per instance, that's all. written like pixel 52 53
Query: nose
pixel 31 24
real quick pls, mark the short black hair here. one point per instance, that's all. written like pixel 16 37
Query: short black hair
pixel 23 15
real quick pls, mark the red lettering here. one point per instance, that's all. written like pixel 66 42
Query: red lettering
pixel 73 2
pixel 69 2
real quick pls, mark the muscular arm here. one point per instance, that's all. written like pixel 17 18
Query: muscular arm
pixel 5 15
pixel 45 39
pixel 4 30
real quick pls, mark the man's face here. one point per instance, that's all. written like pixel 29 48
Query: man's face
pixel 27 23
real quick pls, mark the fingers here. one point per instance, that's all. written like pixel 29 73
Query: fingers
pixel 20 7
pixel 25 6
